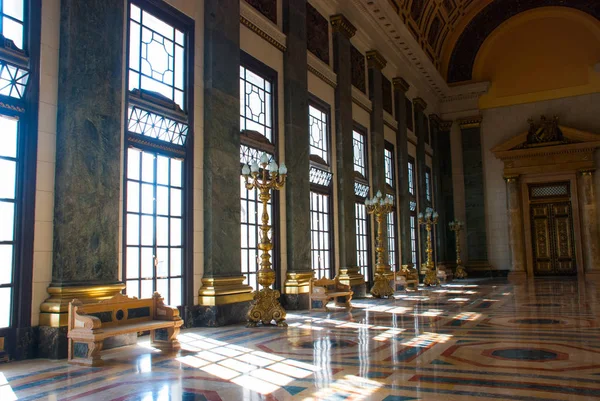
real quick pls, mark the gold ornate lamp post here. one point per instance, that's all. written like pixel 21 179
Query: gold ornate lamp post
pixel 457 227
pixel 428 219
pixel 266 307
pixel 380 207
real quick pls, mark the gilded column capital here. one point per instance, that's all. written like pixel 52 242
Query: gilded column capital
pixel 375 60
pixel 587 171
pixel 445 126
pixel 339 23
pixel 400 84
pixel 420 102
pixel 511 178
pixel 470 122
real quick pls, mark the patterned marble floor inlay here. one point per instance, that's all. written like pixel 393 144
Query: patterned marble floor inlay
pixel 467 340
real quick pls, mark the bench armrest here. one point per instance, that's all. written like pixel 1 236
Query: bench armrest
pixel 83 321
pixel 162 311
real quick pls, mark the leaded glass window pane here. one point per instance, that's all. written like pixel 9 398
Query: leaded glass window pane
pixel 428 185
pixel 413 239
pixel 12 22
pixel 318 128
pixel 360 153
pixel 154 226
pixel 9 166
pixel 154 125
pixel 156 56
pixel 392 248
pixel 389 167
pixel 362 240
pixel 256 103
pixel 320 234
pixel 411 177
pixel 13 80
pixel 360 189
pixel 320 177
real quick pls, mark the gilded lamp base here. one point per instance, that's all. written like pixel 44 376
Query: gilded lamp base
pixel 460 272
pixel 431 278
pixel 266 308
pixel 382 287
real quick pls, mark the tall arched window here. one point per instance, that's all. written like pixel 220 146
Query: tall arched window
pixel 321 220
pixel 159 142
pixel 19 62
pixel 258 135
pixel 361 191
pixel 390 192
pixel 414 223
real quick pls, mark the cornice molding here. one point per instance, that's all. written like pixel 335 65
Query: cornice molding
pixel 361 99
pixel 321 70
pixel 339 23
pixel 470 122
pixel 375 60
pixel 259 24
pixel 400 84
pixel 467 91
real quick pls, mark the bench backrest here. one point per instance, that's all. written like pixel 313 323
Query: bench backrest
pixel 116 311
pixel 329 285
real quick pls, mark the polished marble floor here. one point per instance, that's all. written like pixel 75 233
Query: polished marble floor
pixel 468 340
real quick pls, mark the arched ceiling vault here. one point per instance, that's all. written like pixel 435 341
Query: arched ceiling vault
pixel 451 32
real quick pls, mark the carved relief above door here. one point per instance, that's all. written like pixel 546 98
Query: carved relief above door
pixel 552 233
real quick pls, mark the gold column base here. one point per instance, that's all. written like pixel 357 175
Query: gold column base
pixel 431 278
pixel 223 291
pixel 266 309
pixel 351 276
pixel 298 283
pixel 460 272
pixel 382 287
pixel 54 311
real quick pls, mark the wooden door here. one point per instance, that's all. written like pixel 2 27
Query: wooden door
pixel 552 231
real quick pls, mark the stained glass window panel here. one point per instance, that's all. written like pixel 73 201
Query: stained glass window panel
pixel 156 59
pixel 389 167
pixel 392 246
pixel 360 153
pixel 256 103
pixel 318 130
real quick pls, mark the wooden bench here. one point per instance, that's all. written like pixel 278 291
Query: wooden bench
pixel 323 290
pixel 90 324
pixel 403 279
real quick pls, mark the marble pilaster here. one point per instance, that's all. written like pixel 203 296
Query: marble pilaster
pixel 348 272
pixel 88 176
pixel 222 284
pixel 400 88
pixel 476 246
pixel 421 131
pixel 590 225
pixel 443 192
pixel 516 237
pixel 297 156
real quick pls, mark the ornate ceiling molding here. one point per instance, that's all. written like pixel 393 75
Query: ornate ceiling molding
pixel 463 56
pixel 262 26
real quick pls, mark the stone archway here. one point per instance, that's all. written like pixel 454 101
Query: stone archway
pixel 551 153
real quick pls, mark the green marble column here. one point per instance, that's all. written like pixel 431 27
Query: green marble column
pixel 475 227
pixel 400 88
pixel 297 156
pixel 348 271
pixel 88 176
pixel 443 193
pixel 422 133
pixel 223 298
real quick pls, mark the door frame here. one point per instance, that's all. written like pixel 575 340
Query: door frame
pixel 549 178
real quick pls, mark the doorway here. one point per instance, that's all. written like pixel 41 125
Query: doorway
pixel 552 235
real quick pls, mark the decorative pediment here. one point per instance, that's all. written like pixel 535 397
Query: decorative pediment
pixel 547 145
